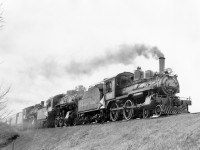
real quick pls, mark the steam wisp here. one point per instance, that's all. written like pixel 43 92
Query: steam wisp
pixel 125 55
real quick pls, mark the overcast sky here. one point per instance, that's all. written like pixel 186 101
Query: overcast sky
pixel 42 39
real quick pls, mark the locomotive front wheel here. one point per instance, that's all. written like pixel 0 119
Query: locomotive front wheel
pixel 146 113
pixel 128 112
pixel 158 111
pixel 114 114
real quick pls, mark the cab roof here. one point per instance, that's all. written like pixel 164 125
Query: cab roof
pixel 120 74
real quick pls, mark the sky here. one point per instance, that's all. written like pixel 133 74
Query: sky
pixel 47 46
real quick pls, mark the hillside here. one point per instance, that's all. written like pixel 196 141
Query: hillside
pixel 172 132
pixel 7 134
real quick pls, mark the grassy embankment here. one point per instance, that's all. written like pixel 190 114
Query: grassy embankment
pixel 181 132
pixel 7 135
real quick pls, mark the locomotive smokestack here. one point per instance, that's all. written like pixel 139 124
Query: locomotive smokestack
pixel 161 64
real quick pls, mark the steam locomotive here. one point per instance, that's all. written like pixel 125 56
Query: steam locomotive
pixel 124 96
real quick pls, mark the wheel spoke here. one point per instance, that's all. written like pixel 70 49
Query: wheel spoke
pixel 146 113
pixel 158 110
pixel 128 111
pixel 114 114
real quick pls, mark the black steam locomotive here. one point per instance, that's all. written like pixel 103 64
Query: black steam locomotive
pixel 124 96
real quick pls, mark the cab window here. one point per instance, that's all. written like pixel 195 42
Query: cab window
pixel 125 81
pixel 108 87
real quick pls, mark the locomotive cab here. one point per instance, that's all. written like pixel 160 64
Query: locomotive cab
pixel 110 88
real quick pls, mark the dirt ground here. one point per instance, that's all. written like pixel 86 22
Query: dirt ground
pixel 181 132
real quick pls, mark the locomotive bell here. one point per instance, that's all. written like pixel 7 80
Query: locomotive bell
pixel 161 64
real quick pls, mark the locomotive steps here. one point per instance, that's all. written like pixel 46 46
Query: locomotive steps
pixel 172 132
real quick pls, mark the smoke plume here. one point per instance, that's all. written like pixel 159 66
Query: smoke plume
pixel 126 54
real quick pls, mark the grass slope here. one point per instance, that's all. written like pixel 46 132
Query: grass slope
pixel 7 134
pixel 174 132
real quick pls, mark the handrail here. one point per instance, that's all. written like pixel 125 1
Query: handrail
pixel 180 98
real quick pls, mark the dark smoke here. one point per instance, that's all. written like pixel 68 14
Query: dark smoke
pixel 125 55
